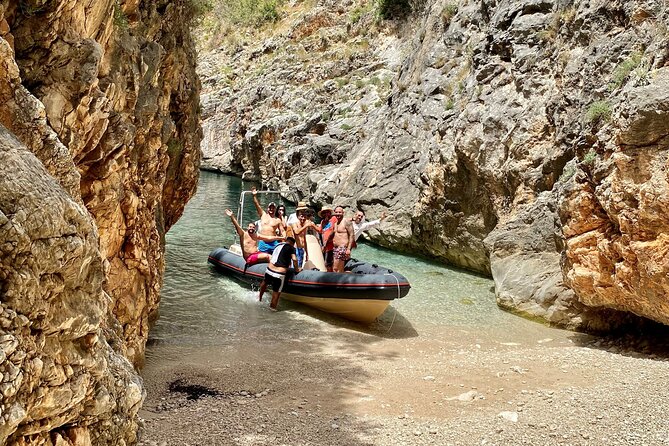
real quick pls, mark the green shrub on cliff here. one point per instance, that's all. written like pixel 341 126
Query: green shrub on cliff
pixel 589 157
pixel 222 14
pixel 393 9
pixel 598 111
pixel 251 12
pixel 120 19
pixel 31 7
pixel 360 11
pixel 197 9
pixel 568 172
pixel 449 12
pixel 624 69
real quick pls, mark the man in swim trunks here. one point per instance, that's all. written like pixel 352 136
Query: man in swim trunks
pixel 282 257
pixel 342 240
pixel 270 225
pixel 248 240
pixel 300 232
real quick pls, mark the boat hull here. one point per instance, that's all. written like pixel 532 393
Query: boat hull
pixel 360 310
pixel 362 294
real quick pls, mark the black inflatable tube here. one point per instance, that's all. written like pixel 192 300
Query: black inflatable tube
pixel 364 281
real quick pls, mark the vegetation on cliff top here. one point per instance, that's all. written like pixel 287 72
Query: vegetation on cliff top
pixel 224 21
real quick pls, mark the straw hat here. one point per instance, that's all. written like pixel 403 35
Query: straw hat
pixel 301 206
pixel 323 209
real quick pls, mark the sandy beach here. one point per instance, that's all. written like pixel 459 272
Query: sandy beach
pixel 328 383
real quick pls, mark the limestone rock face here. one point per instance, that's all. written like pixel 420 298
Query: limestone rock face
pixel 61 380
pixel 524 139
pixel 614 213
pixel 99 147
pixel 113 92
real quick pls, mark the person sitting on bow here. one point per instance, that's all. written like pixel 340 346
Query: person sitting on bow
pixel 248 240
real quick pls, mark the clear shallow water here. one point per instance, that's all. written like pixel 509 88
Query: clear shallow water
pixel 201 307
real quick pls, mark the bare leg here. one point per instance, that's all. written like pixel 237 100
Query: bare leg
pixel 275 300
pixel 263 258
pixel 339 266
pixel 263 287
pixel 328 267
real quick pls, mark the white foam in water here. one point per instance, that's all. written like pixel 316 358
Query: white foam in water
pixel 236 291
pixel 251 296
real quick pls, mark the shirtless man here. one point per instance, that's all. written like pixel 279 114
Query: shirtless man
pixel 248 240
pixel 275 274
pixel 270 225
pixel 300 233
pixel 343 240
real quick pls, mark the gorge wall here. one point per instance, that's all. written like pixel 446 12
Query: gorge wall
pixel 99 148
pixel 524 139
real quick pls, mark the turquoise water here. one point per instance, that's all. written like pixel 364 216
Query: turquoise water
pixel 201 307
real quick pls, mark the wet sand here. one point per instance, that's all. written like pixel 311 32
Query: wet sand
pixel 323 381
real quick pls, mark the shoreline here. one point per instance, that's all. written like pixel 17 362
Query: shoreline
pixel 324 384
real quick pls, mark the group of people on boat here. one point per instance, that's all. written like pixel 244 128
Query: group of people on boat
pixel 281 240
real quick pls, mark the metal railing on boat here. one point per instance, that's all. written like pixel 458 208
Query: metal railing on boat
pixel 240 211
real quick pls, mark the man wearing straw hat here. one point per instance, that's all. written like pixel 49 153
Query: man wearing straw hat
pixel 299 229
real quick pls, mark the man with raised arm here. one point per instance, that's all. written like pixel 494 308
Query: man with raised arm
pixel 270 225
pixel 275 274
pixel 343 240
pixel 249 239
pixel 360 225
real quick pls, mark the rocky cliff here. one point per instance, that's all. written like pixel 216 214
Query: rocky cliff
pixel 99 145
pixel 524 139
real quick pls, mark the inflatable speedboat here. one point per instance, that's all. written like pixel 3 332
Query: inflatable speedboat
pixel 361 294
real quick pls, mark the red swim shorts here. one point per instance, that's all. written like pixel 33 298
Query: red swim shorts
pixel 253 258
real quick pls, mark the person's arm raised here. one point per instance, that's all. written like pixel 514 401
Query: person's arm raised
pixel 298 228
pixel 257 204
pixel 238 228
pixel 370 224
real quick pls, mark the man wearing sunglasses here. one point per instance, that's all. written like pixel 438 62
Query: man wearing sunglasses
pixel 249 239
pixel 270 226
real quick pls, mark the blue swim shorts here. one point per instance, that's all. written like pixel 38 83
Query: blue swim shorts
pixel 300 256
pixel 267 247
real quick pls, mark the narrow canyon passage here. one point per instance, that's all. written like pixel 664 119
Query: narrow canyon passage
pixel 442 366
